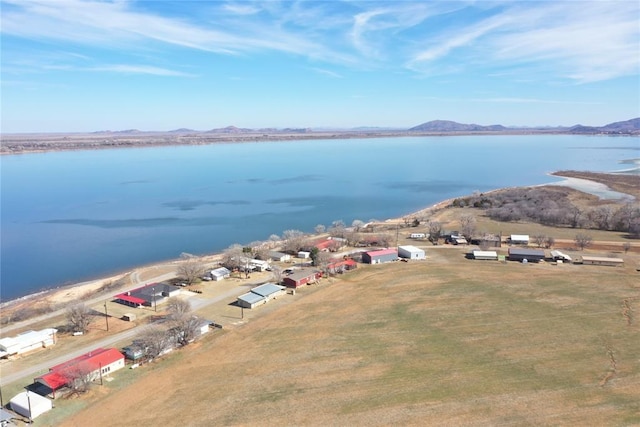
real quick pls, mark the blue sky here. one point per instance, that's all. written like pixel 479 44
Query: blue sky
pixel 72 65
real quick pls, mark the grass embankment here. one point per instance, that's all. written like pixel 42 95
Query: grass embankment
pixel 445 341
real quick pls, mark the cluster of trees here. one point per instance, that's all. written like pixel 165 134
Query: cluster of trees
pixel 553 207
pixel 180 329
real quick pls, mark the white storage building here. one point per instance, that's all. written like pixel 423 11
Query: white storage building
pixel 30 405
pixel 411 252
pixel 519 239
pixel 485 255
pixel 27 341
pixel 220 273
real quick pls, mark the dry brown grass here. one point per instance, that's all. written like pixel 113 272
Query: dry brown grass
pixel 439 343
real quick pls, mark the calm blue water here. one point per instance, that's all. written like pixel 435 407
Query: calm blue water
pixel 73 216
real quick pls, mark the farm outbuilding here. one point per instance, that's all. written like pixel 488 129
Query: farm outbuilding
pixel 301 277
pixel 596 260
pixel 30 405
pixel 304 254
pixel 269 290
pixel 485 255
pixel 220 273
pixel 380 256
pixel 522 254
pixel 27 341
pixel 251 300
pixel 519 239
pixel 560 256
pixel 279 256
pixel 411 252
pixel 417 236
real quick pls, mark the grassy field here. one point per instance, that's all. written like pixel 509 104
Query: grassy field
pixel 447 341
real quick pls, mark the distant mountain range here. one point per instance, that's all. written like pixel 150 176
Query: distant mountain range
pixel 627 127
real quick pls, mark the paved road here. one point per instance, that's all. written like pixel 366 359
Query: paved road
pixel 136 282
pixel 41 368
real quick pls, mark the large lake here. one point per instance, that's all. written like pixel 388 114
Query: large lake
pixel 73 216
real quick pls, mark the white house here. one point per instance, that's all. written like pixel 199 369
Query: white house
pixel 410 252
pixel 27 341
pixel 279 256
pixel 30 405
pixel 304 254
pixel 220 273
pixel 269 290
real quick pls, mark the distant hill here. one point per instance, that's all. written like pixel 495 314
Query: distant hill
pixel 449 126
pixel 627 127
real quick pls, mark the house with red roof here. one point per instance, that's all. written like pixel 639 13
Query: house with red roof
pixel 149 295
pixel 302 277
pixel 93 365
pixel 380 256
pixel 342 265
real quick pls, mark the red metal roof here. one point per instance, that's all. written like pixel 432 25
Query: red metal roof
pixel 382 252
pixel 54 380
pixel 130 298
pixel 94 359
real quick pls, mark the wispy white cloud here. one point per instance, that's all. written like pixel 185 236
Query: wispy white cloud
pixel 326 72
pixel 140 69
pixel 575 40
pixel 580 41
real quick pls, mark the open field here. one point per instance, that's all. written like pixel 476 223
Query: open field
pixel 447 341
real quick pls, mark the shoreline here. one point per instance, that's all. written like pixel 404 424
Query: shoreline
pixel 91 288
pixel 54 142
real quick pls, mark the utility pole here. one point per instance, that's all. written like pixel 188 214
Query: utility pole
pixel 106 315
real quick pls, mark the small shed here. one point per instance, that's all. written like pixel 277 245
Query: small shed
pixel 522 254
pixel 304 254
pixel 411 252
pixel 128 317
pixel 30 405
pixel 251 300
pixel 485 255
pixel 380 256
pixel 220 273
pixel 417 235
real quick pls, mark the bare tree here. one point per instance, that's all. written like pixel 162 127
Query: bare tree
pixel 155 341
pixel 276 273
pixel 294 240
pixel 583 240
pixel 78 377
pixel 79 317
pixel 467 225
pixel 386 239
pixel 274 239
pixel 549 242
pixel 190 268
pixel 539 239
pixel 435 230
pixel 337 228
pixel 231 257
pixel 320 229
pixel 626 246
pixel 178 307
pixel 357 224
